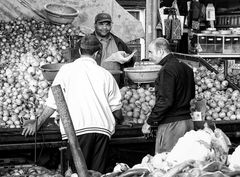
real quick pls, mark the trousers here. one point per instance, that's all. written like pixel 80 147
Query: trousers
pixel 95 148
pixel 168 134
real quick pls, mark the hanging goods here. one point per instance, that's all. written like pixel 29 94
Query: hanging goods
pixel 176 28
pixel 210 12
pixel 173 29
pixel 196 13
pixel 168 26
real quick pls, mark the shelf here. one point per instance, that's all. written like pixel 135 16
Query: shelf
pixel 217 55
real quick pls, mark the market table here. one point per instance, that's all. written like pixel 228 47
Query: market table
pixel 50 135
pixel 128 145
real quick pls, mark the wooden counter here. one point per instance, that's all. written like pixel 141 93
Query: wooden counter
pixel 128 145
pixel 49 135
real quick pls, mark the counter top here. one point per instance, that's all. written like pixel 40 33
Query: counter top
pixel 49 135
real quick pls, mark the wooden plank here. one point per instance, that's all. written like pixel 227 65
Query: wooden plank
pixel 76 151
pixel 133 4
pixel 148 25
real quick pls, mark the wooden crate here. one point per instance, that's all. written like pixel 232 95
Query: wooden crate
pixel 49 132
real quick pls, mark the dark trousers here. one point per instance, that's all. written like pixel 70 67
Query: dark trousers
pixel 94 147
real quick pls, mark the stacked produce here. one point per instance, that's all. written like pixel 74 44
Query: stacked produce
pixel 137 102
pixel 232 75
pixel 27 44
pixel 223 103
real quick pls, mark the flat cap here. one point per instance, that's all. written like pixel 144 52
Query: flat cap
pixel 103 17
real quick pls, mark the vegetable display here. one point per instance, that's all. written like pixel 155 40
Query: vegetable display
pixel 198 153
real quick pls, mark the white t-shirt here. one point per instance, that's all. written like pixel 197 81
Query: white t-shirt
pixel 91 94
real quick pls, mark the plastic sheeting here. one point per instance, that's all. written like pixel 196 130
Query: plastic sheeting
pixel 125 25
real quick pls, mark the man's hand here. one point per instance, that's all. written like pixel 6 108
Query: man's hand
pixel 118 116
pixel 29 127
pixel 146 130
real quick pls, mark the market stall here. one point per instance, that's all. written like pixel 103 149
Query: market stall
pixel 30 39
pixel 33 43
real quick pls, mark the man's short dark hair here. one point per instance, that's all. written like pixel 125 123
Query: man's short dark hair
pixel 89 45
pixel 161 43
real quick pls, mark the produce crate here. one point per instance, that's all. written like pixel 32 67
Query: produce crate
pixel 49 132
pixel 224 125
pixel 26 170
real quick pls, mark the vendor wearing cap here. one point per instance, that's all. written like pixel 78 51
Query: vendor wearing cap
pixel 111 44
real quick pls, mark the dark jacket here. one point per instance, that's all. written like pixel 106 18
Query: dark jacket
pixel 121 47
pixel 174 89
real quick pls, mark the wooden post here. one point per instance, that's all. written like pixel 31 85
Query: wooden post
pixel 148 25
pixel 154 18
pixel 77 155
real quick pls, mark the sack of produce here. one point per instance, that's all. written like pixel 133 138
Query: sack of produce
pixel 234 159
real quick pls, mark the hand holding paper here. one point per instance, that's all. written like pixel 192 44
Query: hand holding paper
pixel 121 57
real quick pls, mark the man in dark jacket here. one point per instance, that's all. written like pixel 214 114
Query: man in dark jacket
pixel 110 44
pixel 174 89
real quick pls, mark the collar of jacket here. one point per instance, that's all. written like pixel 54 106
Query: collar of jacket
pixel 103 39
pixel 86 58
pixel 169 58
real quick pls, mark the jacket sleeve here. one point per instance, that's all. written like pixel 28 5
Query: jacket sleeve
pixel 164 97
pixel 193 86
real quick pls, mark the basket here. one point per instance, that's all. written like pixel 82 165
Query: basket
pixel 49 71
pixel 60 13
pixel 142 74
